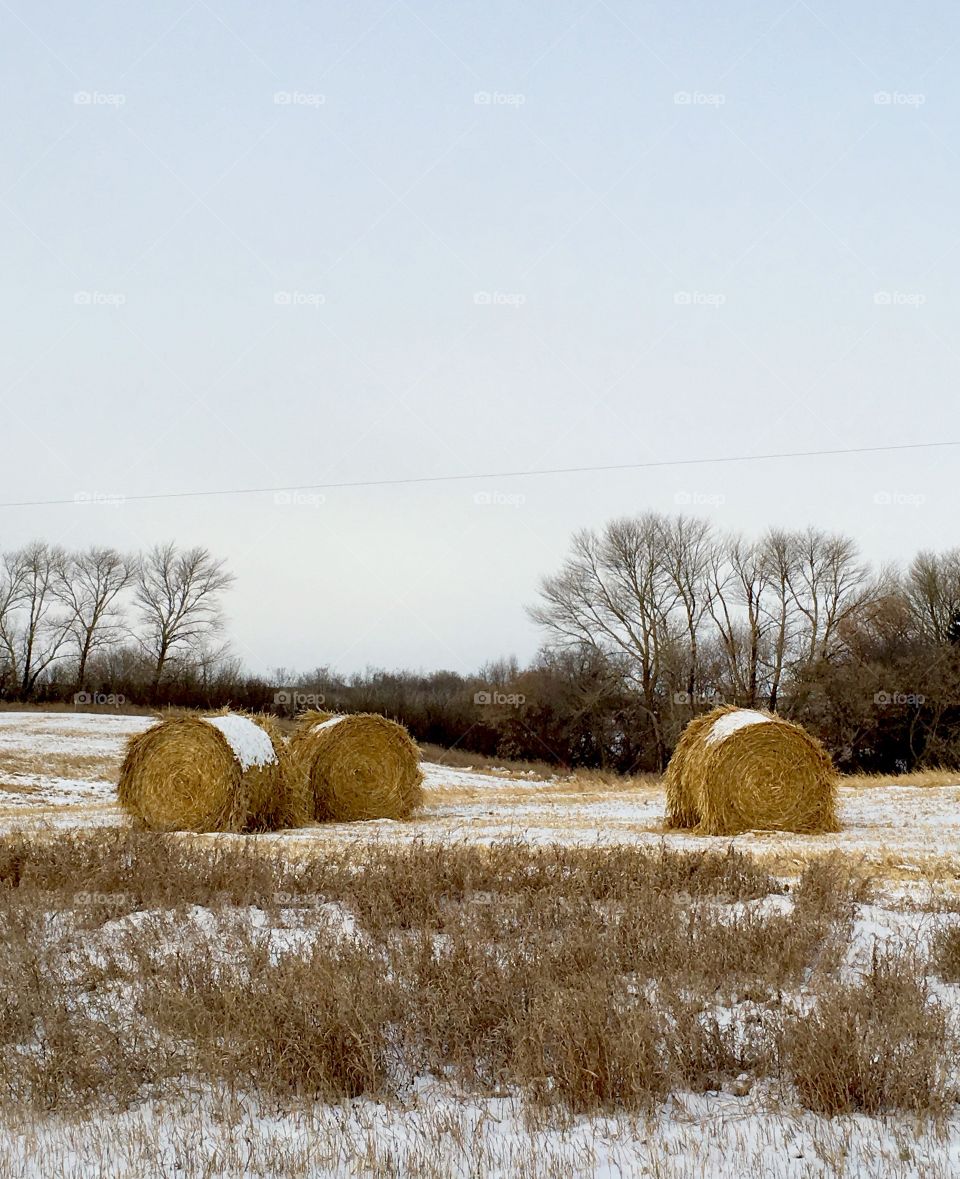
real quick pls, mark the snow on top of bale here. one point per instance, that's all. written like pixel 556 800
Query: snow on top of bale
pixel 730 722
pixel 327 724
pixel 251 745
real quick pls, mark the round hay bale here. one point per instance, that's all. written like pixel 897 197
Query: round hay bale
pixel 360 766
pixel 683 808
pixel 215 773
pixel 754 771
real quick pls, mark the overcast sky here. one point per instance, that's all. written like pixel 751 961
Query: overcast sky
pixel 259 245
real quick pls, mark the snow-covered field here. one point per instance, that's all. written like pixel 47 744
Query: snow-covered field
pixel 445 1137
pixel 910 831
pixel 58 771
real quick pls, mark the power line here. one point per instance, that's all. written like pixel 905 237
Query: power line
pixel 423 479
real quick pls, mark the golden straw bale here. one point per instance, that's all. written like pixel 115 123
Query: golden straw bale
pixel 360 766
pixel 754 771
pixel 682 804
pixel 230 772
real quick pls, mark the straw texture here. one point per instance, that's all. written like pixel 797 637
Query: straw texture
pixel 360 766
pixel 683 805
pixel 770 776
pixel 185 774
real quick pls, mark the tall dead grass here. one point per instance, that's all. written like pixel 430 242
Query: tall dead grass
pixel 872 1046
pixel 585 979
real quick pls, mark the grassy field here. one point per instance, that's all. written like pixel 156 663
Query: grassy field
pixel 529 978
pixel 577 983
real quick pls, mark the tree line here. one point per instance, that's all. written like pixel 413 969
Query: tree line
pixel 67 618
pixel 648 621
pixel 795 621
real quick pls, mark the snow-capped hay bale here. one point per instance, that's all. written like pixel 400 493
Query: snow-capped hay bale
pixel 360 766
pixel 683 807
pixel 754 771
pixel 215 773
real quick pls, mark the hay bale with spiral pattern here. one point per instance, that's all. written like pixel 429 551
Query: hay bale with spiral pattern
pixel 683 807
pixel 360 766
pixel 230 772
pixel 755 771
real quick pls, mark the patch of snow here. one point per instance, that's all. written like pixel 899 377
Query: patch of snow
pixel 225 934
pixel 772 905
pixel 327 724
pixel 89 734
pixel 442 1132
pixel 731 722
pixel 251 745
pixel 878 928
pixel 441 777
pixel 46 789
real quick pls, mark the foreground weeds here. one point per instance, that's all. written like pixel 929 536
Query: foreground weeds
pixel 584 979
pixel 871 1046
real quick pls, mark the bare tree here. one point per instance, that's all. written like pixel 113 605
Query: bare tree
pixel 178 598
pixel 614 595
pixel 89 585
pixel 686 550
pixel 931 588
pixel 11 585
pixel 500 672
pixel 779 556
pixel 33 635
pixel 211 664
pixel 827 583
pixel 739 575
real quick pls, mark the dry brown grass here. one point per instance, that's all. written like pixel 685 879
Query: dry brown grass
pixel 540 775
pixel 59 765
pixel 586 979
pixel 945 953
pixel 922 778
pixel 608 782
pixel 872 1046
pixel 464 759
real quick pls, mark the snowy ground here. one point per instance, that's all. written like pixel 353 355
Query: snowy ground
pixel 446 1137
pixel 58 770
pixel 442 1133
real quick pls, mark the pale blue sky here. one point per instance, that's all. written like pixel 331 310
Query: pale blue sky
pixel 694 230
